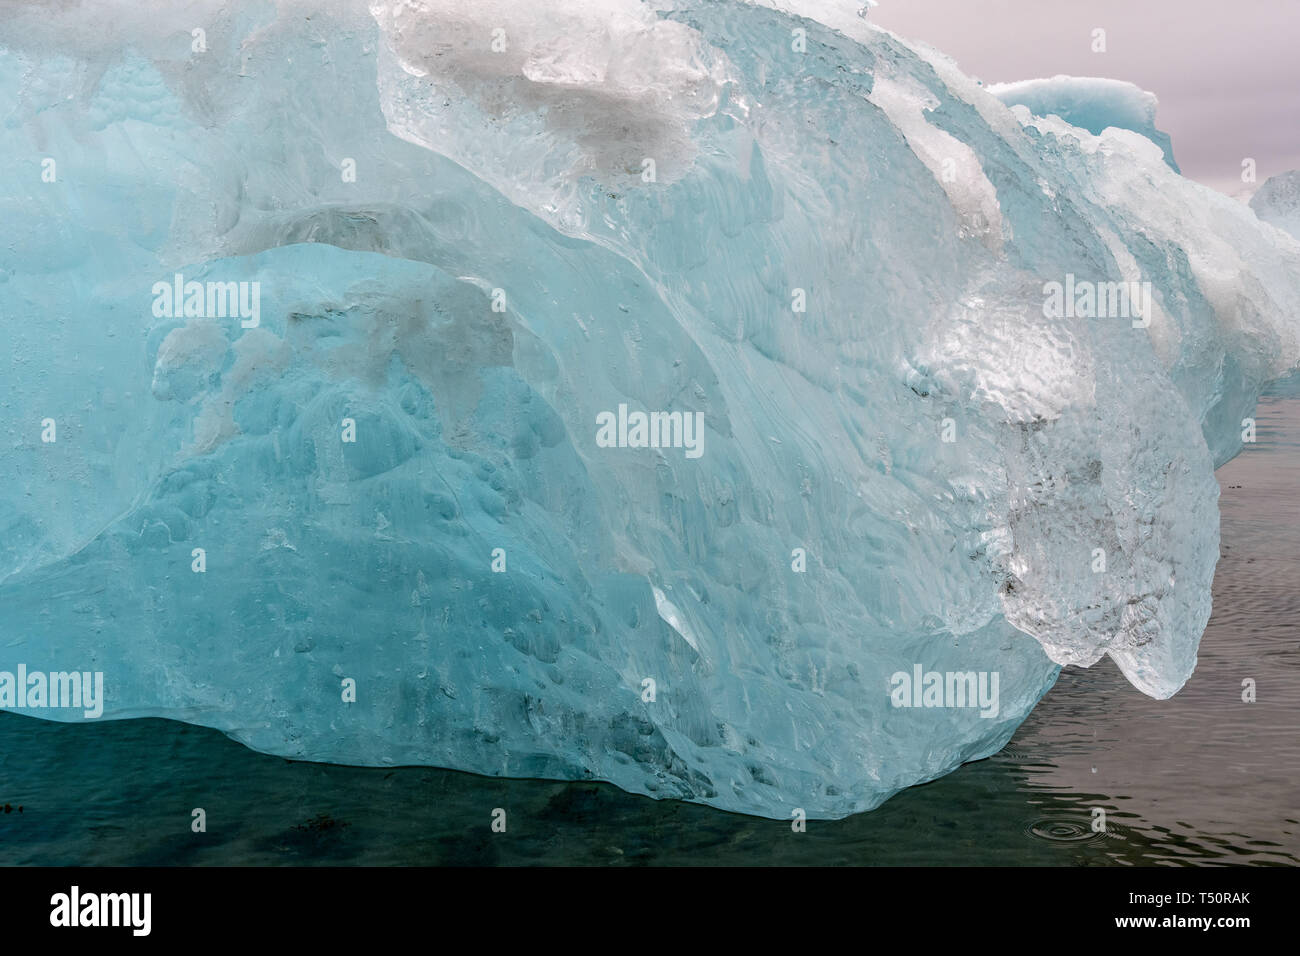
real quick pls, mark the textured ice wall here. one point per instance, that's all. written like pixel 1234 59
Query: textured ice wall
pixel 913 217
pixel 1277 202
pixel 1092 103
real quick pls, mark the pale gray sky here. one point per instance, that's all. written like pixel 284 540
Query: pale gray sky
pixel 1227 73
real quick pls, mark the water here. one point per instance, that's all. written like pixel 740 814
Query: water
pixel 1204 778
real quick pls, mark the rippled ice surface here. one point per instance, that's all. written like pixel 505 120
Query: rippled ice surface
pixel 1199 779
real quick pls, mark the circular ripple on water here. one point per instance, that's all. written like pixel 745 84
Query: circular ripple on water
pixel 1065 831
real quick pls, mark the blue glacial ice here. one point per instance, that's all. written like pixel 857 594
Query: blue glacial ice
pixel 1091 103
pixel 474 230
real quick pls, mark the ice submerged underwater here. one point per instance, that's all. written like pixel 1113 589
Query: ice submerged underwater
pixel 663 393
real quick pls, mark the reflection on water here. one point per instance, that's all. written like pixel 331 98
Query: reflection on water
pixel 1203 778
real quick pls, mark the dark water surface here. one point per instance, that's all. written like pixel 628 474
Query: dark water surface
pixel 1203 778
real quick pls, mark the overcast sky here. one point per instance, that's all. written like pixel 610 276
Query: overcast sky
pixel 1227 73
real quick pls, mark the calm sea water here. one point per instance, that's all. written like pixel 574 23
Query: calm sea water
pixel 1203 778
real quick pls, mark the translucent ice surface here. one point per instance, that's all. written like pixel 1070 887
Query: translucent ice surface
pixel 1091 103
pixel 1277 202
pixel 649 392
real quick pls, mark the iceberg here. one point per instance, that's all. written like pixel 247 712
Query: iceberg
pixel 731 401
pixel 1091 103
pixel 1277 202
